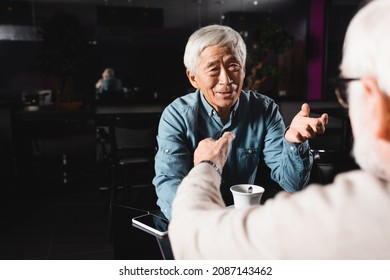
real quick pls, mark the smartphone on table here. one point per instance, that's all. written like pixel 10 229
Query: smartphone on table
pixel 152 224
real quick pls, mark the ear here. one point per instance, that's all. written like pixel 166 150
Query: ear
pixel 378 104
pixel 192 79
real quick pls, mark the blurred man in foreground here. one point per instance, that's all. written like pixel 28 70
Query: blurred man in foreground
pixel 348 219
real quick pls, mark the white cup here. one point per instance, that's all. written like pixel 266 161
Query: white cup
pixel 245 195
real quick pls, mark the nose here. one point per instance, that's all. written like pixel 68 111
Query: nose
pixel 224 78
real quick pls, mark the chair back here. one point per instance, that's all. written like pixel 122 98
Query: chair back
pixel 132 139
pixel 134 134
pixel 328 163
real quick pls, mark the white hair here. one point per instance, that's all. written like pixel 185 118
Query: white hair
pixel 366 53
pixel 366 50
pixel 212 35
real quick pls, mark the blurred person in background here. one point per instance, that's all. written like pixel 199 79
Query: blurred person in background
pixel 108 82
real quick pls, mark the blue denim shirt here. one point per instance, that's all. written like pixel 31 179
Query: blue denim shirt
pixel 259 129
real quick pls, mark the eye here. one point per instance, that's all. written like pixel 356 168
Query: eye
pixel 234 66
pixel 214 71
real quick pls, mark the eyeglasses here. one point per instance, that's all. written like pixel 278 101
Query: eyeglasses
pixel 341 89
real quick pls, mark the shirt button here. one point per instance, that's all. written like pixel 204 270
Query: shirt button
pixel 292 148
pixel 166 150
pixel 250 151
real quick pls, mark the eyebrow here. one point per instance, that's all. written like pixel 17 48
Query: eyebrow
pixel 212 63
pixel 216 62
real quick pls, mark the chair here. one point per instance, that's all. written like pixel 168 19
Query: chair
pixel 328 163
pixel 65 148
pixel 132 140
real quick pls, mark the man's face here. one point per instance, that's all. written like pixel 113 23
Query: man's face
pixel 220 76
pixel 106 75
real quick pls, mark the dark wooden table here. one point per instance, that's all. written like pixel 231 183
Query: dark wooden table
pixel 132 243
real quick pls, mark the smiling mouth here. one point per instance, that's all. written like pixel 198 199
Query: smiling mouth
pixel 225 92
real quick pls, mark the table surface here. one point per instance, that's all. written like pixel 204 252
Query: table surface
pixel 37 112
pixel 52 113
pixel 129 109
pixel 132 243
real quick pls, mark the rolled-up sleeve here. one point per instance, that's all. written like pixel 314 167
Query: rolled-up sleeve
pixel 290 163
pixel 173 159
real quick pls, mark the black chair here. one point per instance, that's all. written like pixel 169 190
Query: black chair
pixel 66 147
pixel 132 140
pixel 328 163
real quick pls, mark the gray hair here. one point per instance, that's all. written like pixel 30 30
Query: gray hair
pixel 110 72
pixel 366 54
pixel 366 50
pixel 212 35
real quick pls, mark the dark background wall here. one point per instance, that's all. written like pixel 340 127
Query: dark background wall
pixel 144 45
pixel 144 42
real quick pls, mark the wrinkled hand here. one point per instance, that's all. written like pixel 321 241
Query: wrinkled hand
pixel 303 127
pixel 215 150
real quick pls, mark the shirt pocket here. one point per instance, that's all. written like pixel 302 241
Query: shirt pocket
pixel 247 161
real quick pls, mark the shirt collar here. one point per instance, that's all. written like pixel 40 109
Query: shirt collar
pixel 211 111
